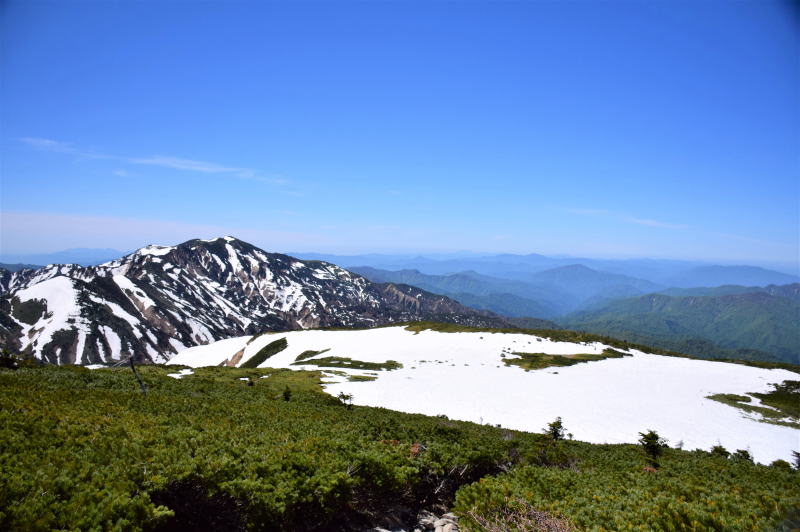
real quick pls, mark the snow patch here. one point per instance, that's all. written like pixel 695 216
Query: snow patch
pixel 133 292
pixel 182 373
pixel 463 376
pixel 155 250
pixel 62 312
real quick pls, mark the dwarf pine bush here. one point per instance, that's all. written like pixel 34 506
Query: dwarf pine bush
pixel 84 450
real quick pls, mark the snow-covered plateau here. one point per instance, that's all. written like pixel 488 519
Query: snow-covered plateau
pixel 463 376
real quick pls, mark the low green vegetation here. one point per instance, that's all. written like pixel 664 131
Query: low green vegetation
pixel 349 363
pixel 265 352
pixel 352 377
pixel 616 488
pixel 784 397
pixel 305 355
pixel 782 403
pixel 529 361
pixel 83 450
pixel 361 378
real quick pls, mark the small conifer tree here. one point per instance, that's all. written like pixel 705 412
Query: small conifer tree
pixel 287 394
pixel 653 446
pixel 555 430
pixel 8 360
pixel 346 399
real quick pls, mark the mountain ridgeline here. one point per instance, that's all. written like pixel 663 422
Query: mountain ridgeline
pixel 543 294
pixel 159 300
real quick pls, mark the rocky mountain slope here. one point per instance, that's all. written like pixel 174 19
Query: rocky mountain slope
pixel 160 300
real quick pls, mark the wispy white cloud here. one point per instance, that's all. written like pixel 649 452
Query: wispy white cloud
pixel 750 240
pixel 182 164
pixel 654 223
pixel 49 145
pixel 62 147
pixel 162 161
pixel 649 222
pixel 589 212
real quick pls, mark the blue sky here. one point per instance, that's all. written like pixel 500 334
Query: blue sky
pixel 608 129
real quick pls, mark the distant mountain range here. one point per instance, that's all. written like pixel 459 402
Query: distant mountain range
pixel 19 266
pixel 159 300
pixel 749 322
pixel 729 275
pixel 666 273
pixel 543 294
pixel 663 272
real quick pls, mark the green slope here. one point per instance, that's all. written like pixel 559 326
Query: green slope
pixel 756 325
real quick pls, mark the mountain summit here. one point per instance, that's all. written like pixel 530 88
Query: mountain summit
pixel 161 299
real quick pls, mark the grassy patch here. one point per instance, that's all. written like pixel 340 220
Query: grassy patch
pixel 305 355
pixel 265 352
pixel 730 398
pixel 784 397
pixel 782 402
pixel 361 378
pixel 349 363
pixel 529 361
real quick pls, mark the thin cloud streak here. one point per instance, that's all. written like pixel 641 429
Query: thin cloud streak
pixel 183 164
pixel 751 240
pixel 161 161
pixel 62 147
pixel 655 223
pixel 49 145
pixel 627 218
pixel 589 212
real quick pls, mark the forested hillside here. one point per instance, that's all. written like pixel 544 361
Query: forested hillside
pixel 753 325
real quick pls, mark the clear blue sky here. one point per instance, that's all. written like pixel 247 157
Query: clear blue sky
pixel 637 128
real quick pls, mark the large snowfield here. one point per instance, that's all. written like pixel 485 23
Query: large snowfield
pixel 462 375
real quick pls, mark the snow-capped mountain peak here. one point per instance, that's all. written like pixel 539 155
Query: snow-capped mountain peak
pixel 159 300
